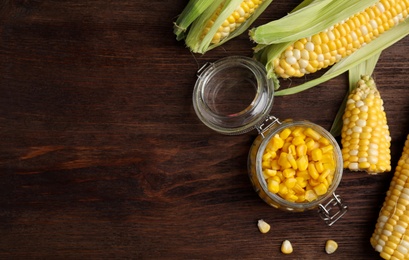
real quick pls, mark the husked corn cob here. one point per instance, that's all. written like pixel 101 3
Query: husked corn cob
pixel 215 24
pixel 321 50
pixel 365 136
pixel 391 235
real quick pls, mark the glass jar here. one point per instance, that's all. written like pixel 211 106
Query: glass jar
pixel 215 103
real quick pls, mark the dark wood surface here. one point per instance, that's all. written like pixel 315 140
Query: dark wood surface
pixel 102 155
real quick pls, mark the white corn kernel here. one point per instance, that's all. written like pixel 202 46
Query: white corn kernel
pixel 361 123
pixel 309 46
pixel 297 54
pixel 286 247
pixel 263 226
pixel 331 246
pixel 353 166
pixel 303 63
pixel 402 249
pixel 291 60
pixel 399 229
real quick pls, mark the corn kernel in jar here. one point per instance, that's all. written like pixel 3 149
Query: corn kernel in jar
pixel 302 162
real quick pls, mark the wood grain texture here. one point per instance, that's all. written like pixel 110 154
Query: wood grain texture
pixel 103 157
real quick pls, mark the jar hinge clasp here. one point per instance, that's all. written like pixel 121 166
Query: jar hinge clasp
pixel 325 210
pixel 268 122
pixel 200 71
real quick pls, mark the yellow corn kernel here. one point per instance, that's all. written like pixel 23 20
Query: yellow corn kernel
pixel 298 189
pixel 312 133
pixel 319 166
pixel 277 142
pixel 303 174
pixel 286 247
pixel 292 150
pixel 280 175
pixel 323 176
pixel 327 149
pixel 316 154
pixel 325 182
pixel 301 198
pixel 302 163
pixel 310 195
pixel 301 182
pixel 330 178
pixel 328 158
pixel 286 147
pixel 288 173
pixel 301 150
pixel 266 164
pixel 290 182
pixel 283 160
pixel 265 176
pixel 313 182
pixel 285 133
pixel 298 140
pixel 270 172
pixel 276 178
pixel 273 185
pixel 297 131
pixel 283 190
pixel 310 145
pixel 320 189
pixel 329 165
pixel 263 226
pixel 291 197
pixel 266 156
pixel 324 141
pixel 292 161
pixel 312 171
pixel 331 246
pixel 269 155
pixel 275 165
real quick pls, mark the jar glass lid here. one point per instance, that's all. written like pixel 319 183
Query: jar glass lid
pixel 233 95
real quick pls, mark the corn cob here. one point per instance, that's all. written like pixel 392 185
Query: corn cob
pixel 309 54
pixel 391 235
pixel 364 68
pixel 216 21
pixel 328 36
pixel 365 136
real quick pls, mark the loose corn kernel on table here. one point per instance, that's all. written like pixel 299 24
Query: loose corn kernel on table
pixel 102 155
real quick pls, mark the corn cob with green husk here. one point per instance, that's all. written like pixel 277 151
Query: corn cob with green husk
pixel 206 24
pixel 340 34
pixel 391 235
pixel 365 136
pixel 361 121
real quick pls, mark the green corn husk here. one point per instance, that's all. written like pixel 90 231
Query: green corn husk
pixel 366 67
pixel 193 20
pixel 193 9
pixel 307 19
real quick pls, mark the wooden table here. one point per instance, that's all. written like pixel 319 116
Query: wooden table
pixel 102 155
